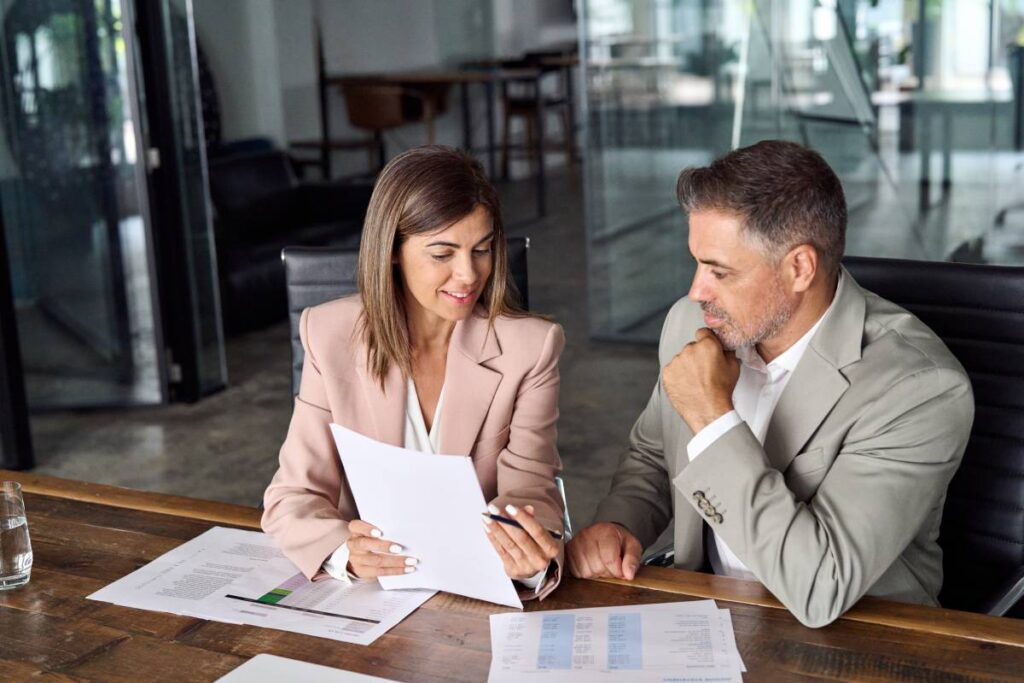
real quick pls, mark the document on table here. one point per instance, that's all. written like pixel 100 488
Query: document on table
pixel 677 642
pixel 273 669
pixel 431 505
pixel 241 577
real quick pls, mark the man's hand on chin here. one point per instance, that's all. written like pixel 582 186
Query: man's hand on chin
pixel 700 380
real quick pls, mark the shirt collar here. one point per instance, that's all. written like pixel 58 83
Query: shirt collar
pixel 788 359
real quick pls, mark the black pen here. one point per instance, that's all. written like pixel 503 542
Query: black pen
pixel 557 535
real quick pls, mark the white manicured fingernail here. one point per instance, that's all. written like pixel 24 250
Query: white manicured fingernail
pixel 395 548
pixel 487 524
pixel 512 509
pixel 410 570
pixel 493 509
pixel 376 533
pixel 411 561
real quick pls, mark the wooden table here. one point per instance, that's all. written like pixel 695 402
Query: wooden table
pixel 85 536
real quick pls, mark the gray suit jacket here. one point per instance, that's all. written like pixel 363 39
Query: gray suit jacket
pixel 845 497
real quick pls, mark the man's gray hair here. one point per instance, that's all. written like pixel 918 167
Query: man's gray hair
pixel 785 193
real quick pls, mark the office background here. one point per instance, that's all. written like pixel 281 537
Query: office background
pixel 156 155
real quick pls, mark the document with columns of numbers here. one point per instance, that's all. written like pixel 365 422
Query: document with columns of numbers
pixel 678 642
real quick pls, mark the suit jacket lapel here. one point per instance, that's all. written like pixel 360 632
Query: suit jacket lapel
pixel 387 406
pixel 469 385
pixel 817 383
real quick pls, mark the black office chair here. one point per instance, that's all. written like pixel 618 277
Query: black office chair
pixel 314 275
pixel 978 311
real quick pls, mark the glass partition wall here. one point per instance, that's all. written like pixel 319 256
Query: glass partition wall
pixel 104 204
pixel 911 102
pixel 73 204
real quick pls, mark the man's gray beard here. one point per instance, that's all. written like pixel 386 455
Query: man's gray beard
pixel 780 310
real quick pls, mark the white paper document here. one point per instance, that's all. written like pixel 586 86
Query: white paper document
pixel 431 505
pixel 273 669
pixel 241 577
pixel 679 642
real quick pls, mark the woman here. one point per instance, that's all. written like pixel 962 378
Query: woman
pixel 433 354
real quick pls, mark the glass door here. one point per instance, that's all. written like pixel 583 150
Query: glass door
pixel 74 205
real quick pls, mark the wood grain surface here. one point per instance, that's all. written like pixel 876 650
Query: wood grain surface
pixel 85 536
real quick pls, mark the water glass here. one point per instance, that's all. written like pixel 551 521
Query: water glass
pixel 15 547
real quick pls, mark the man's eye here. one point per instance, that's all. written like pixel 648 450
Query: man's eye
pixel 718 274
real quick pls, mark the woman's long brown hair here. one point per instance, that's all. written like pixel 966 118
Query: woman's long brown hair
pixel 422 191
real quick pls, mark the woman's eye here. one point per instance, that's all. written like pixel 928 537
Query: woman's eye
pixel 441 257
pixel 482 252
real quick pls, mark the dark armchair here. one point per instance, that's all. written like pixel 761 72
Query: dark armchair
pixel 978 311
pixel 260 207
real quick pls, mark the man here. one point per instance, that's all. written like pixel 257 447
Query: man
pixel 803 431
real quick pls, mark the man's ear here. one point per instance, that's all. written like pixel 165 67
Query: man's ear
pixel 800 266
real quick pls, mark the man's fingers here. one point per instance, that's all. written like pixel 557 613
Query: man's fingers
pixel 632 551
pixel 585 555
pixel 609 551
pixel 704 333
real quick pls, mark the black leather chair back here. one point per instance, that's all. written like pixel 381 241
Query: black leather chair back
pixel 317 274
pixel 978 311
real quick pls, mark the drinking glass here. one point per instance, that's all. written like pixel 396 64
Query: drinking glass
pixel 15 547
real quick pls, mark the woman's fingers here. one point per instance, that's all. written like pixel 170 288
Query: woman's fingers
pixel 358 527
pixel 520 547
pixel 369 571
pixel 369 563
pixel 366 544
pixel 515 567
pixel 540 536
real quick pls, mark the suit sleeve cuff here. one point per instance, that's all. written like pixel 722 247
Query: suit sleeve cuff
pixel 711 433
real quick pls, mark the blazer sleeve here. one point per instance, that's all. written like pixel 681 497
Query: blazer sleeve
pixel 301 505
pixel 527 466
pixel 818 558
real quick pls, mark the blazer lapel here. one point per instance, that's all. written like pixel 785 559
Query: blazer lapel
pixel 387 406
pixel 817 383
pixel 469 385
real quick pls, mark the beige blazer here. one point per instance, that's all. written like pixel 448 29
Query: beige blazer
pixel 500 408
pixel 845 497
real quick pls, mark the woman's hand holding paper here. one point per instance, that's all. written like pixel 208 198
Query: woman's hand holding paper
pixel 371 555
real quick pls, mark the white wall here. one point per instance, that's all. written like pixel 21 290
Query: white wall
pixel 264 64
pixel 239 39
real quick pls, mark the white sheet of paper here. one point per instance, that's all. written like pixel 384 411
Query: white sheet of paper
pixel 431 505
pixel 266 668
pixel 241 577
pixel 680 641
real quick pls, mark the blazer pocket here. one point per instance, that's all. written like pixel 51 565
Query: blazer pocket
pixel 491 444
pixel 806 463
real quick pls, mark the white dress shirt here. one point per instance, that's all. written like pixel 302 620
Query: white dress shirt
pixel 756 394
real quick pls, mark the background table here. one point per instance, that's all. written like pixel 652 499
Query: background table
pixel 86 536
